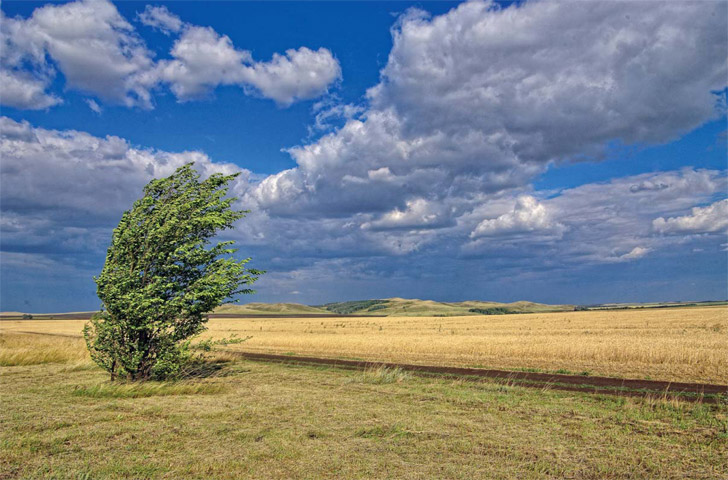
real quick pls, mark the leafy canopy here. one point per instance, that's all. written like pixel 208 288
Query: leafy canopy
pixel 160 278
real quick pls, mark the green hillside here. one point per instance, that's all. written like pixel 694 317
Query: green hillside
pixel 269 308
pixel 415 307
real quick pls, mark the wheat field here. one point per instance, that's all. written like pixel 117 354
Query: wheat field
pixel 678 344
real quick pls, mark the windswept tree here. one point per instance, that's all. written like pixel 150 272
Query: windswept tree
pixel 162 276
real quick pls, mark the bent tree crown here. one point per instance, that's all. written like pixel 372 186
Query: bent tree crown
pixel 161 275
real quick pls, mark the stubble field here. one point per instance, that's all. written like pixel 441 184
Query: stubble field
pixel 674 344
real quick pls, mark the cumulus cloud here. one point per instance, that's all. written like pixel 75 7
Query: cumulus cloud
pixel 419 213
pixel 97 50
pixel 713 218
pixel 20 90
pixel 203 59
pixel 605 222
pixel 101 54
pixel 65 190
pixel 161 18
pixel 611 222
pixel 298 75
pixel 479 101
pixel 636 252
pixel 528 215
pixel 556 80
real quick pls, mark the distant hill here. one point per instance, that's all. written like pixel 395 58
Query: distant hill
pixel 415 307
pixel 387 306
pixel 269 308
pixel 393 307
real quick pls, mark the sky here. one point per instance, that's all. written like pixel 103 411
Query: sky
pixel 558 152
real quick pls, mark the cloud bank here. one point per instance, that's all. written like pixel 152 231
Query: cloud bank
pixel 437 167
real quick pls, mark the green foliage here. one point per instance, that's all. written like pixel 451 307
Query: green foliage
pixel 345 308
pixel 160 278
pixel 492 311
pixel 377 307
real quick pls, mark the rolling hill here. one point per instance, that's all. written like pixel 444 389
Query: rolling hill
pixel 415 307
pixel 269 308
pixel 393 307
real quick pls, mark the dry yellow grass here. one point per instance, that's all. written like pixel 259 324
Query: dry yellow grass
pixel 680 344
pixel 29 349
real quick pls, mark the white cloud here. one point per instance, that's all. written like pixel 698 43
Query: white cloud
pixel 21 90
pixel 528 216
pixel 557 80
pixel 419 213
pixel 713 218
pixel 329 110
pixel 65 190
pixel 202 60
pixel 479 101
pixel 97 50
pixel 635 253
pixel 161 18
pixel 101 54
pixel 93 105
pixel 606 222
pixel 298 75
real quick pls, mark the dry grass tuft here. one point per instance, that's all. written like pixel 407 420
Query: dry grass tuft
pixel 384 375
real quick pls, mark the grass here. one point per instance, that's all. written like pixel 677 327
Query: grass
pixel 384 375
pixel 674 344
pixel 666 344
pixel 256 420
pixel 27 349
pixel 256 308
pixel 662 344
pixel 147 389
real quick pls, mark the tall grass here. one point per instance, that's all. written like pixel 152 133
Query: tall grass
pixel 26 349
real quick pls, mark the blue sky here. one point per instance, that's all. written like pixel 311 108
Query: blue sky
pixel 543 151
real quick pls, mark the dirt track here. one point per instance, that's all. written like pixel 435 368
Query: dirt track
pixel 708 393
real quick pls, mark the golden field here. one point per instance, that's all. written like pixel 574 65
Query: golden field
pixel 678 344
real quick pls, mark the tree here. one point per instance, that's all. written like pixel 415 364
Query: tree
pixel 160 278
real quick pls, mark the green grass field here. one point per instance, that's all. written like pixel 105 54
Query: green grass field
pixel 63 419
